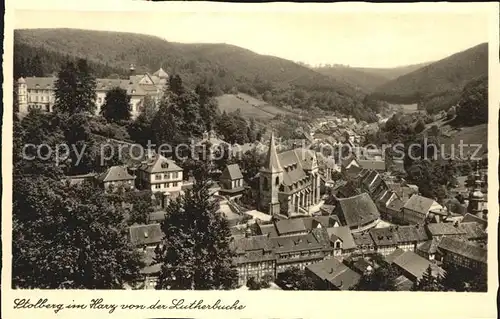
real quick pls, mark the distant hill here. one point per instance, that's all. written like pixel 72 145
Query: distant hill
pixel 442 78
pixel 366 79
pixel 227 68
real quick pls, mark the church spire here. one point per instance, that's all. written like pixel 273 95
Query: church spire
pixel 272 163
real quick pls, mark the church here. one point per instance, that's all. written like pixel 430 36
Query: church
pixel 289 182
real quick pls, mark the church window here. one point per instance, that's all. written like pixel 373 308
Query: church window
pixel 282 188
pixel 265 184
pixel 277 180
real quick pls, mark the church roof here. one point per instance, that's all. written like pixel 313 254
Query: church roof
pixel 272 163
pixel 161 74
pixel 232 172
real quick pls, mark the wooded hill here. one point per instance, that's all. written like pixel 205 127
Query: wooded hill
pixel 438 85
pixel 226 68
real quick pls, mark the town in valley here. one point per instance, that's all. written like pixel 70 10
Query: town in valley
pixel 138 167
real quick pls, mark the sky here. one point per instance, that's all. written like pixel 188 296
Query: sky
pixel 364 39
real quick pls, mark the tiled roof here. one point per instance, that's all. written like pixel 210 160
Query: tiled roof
pixel 419 204
pixel 372 164
pixel 335 272
pixel 411 233
pixel 288 226
pixel 384 236
pixel 357 210
pixel 268 229
pixel 463 248
pixel 159 164
pixel 43 83
pixel 440 229
pixel 473 230
pixel 415 264
pixel 344 234
pixel 396 205
pixel 145 234
pixel 253 249
pixel 392 256
pixel 295 243
pixel 362 239
pixel 472 218
pixel 115 174
pixel 232 172
pixel 158 216
pixel 430 246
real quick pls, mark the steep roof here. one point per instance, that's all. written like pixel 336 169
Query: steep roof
pixel 232 172
pixel 430 246
pixel 115 174
pixel 441 229
pixel 411 233
pixel 159 164
pixel 253 249
pixel 289 226
pixel 161 74
pixel 335 272
pixel 145 234
pixel 344 234
pixel 268 230
pixel 357 210
pixel 419 204
pixel 415 264
pixel 473 218
pixel 384 236
pixel 296 243
pixel 463 248
pixel 272 163
pixel 377 165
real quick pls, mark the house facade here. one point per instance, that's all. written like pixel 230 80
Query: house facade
pixel 38 93
pixel 160 174
pixel 116 177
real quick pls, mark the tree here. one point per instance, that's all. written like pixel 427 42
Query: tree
pixel 142 207
pixel 420 126
pixel 68 237
pixel 295 279
pixel 382 278
pixel 116 106
pixel 196 254
pixel 428 282
pixel 252 284
pixel 75 89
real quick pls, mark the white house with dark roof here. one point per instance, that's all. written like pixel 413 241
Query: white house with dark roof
pixel 289 182
pixel 38 92
pixel 254 258
pixel 160 174
pixel 411 265
pixel 115 177
pixel 231 181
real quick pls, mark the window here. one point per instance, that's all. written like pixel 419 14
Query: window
pixel 265 184
pixel 157 186
pixel 176 174
pixel 175 184
pixel 158 176
pixel 99 100
pixel 166 176
pixel 277 180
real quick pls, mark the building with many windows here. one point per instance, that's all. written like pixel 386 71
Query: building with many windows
pixel 160 174
pixel 37 93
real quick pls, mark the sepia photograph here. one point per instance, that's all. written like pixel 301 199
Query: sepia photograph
pixel 280 151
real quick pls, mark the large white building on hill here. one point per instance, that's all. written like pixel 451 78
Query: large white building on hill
pixel 38 93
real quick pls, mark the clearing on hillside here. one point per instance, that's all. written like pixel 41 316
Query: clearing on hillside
pixel 249 106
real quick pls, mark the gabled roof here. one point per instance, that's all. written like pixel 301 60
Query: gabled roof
pixel 344 234
pixel 384 236
pixel 290 226
pixel 232 172
pixel 377 165
pixel 335 272
pixel 419 204
pixel 268 230
pixel 473 218
pixel 357 210
pixel 396 205
pixel 415 264
pixel 441 229
pixel 463 248
pixel 411 233
pixel 260 242
pixel 472 230
pixel 115 174
pixel 430 246
pixel 145 234
pixel 159 164
pixel 161 74
pixel 296 243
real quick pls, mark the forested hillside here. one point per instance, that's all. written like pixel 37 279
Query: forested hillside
pixel 226 68
pixel 437 86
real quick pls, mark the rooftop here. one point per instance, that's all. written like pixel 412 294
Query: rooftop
pixel 463 248
pixel 357 210
pixel 335 272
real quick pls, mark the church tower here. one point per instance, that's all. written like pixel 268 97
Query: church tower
pixel 271 177
pixel 476 198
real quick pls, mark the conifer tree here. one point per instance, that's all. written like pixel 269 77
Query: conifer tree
pixel 196 253
pixel 116 106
